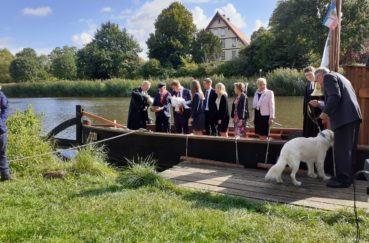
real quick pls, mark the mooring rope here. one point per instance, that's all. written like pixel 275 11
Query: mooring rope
pixel 77 147
pixel 187 145
pixel 236 143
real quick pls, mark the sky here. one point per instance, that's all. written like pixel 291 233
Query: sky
pixel 46 24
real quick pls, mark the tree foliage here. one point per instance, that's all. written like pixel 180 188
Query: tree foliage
pixel 205 47
pixel 112 53
pixel 63 62
pixel 6 57
pixel 174 30
pixel 25 67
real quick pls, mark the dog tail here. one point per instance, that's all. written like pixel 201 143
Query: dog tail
pixel 276 170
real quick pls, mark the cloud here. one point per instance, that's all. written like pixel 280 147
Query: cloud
pixel 41 11
pixel 231 12
pixel 259 23
pixel 106 10
pixel 81 39
pixel 140 22
pixel 7 42
pixel 199 18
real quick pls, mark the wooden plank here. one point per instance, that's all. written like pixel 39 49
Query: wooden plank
pixel 210 162
pixel 250 186
pixel 364 93
pixel 257 196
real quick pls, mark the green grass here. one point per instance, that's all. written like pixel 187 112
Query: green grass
pixel 100 209
pixel 95 203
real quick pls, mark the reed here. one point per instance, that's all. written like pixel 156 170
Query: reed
pixel 285 82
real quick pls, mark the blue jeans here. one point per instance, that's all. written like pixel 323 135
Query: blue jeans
pixel 4 166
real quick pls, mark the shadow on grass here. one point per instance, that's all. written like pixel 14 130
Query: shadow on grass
pixel 99 191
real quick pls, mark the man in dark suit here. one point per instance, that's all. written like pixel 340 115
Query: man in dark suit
pixel 310 129
pixel 183 115
pixel 4 113
pixel 138 115
pixel 343 109
pixel 210 108
pixel 161 107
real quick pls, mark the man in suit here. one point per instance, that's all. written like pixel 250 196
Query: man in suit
pixel 138 115
pixel 4 113
pixel 183 115
pixel 310 129
pixel 342 107
pixel 210 107
pixel 162 109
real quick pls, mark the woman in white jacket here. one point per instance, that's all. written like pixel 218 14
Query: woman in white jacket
pixel 264 108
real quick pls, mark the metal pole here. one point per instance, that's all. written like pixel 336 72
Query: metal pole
pixel 79 128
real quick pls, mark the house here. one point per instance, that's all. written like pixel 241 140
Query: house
pixel 232 37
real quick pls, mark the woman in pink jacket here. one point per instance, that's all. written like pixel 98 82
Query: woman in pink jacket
pixel 264 109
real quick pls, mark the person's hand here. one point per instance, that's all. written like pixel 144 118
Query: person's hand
pixel 323 116
pixel 190 120
pixel 270 122
pixel 220 122
pixel 314 103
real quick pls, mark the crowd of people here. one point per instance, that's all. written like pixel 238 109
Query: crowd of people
pixel 204 107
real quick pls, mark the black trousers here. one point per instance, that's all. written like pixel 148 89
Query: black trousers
pixel 181 121
pixel 345 143
pixel 4 165
pixel 162 123
pixel 210 123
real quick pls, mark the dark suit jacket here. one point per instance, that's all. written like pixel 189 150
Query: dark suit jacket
pixel 186 95
pixel 242 108
pixel 197 107
pixel 138 114
pixel 341 103
pixel 164 103
pixel 223 112
pixel 4 113
pixel 211 103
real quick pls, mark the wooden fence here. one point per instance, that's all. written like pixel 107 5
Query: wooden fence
pixel 359 77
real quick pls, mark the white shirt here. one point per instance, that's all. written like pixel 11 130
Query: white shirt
pixel 207 93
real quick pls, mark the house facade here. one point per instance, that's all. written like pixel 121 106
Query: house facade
pixel 232 38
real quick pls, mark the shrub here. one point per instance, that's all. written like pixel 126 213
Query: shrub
pixel 90 160
pixel 285 81
pixel 24 140
pixel 142 172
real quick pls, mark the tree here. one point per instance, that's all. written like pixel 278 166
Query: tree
pixel 151 68
pixel 25 67
pixel 112 53
pixel 206 47
pixel 63 62
pixel 174 30
pixel 6 57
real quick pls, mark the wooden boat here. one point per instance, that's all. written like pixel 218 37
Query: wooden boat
pixel 168 148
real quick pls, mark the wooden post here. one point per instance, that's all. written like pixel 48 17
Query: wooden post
pixel 335 41
pixel 79 124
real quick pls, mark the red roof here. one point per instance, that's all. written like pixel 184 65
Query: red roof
pixel 244 39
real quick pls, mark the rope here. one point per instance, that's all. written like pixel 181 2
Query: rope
pixel 187 145
pixel 236 143
pixel 77 147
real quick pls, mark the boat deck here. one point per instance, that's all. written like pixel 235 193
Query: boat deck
pixel 250 184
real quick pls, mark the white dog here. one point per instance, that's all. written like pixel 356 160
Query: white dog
pixel 309 150
pixel 177 102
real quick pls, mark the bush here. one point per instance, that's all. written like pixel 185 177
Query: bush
pixel 285 81
pixel 142 172
pixel 151 68
pixel 24 129
pixel 90 160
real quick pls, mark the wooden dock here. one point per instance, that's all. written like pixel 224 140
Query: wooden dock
pixel 250 184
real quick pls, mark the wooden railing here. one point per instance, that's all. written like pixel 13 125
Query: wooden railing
pixel 359 77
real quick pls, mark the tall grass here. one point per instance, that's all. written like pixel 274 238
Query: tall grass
pixel 285 82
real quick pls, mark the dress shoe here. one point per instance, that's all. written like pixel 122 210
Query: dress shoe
pixel 339 183
pixel 6 178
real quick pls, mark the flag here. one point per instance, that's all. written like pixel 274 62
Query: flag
pixel 331 20
pixel 325 58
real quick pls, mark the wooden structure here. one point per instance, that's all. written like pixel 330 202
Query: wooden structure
pixel 359 77
pixel 250 184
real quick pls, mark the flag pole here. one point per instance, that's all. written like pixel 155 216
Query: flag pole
pixel 335 41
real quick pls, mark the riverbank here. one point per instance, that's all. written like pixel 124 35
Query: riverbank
pixel 93 202
pixel 284 82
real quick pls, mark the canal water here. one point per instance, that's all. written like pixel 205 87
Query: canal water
pixel 56 110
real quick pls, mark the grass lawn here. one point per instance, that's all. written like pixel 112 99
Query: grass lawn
pixel 99 209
